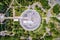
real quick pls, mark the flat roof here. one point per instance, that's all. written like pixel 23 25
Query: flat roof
pixel 1 17
pixel 58 1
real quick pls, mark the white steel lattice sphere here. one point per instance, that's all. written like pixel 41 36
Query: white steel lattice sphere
pixel 30 20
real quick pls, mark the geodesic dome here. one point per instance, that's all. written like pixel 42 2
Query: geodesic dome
pixel 30 20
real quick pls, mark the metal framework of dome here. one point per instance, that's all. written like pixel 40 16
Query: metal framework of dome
pixel 30 20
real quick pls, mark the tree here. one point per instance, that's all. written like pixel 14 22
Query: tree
pixel 45 4
pixel 56 9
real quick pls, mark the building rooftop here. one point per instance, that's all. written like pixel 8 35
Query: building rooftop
pixel 58 1
pixel 1 17
pixel 32 20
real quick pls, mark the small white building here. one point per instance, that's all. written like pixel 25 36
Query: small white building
pixel 51 2
pixel 3 33
pixel 15 19
pixel 58 1
pixel 1 17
